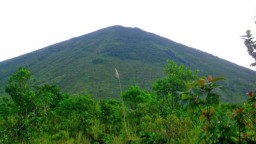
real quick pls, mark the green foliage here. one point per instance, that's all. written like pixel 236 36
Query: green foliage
pixel 20 92
pixel 8 119
pixel 79 113
pixel 134 96
pixel 167 88
pixel 32 104
pixel 175 77
pixel 110 116
pixel 49 95
pixel 245 119
pixel 189 112
pixel 199 95
pixel 201 91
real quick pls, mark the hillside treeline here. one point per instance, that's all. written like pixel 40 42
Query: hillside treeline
pixel 182 107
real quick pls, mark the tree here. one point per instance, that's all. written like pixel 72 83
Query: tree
pixel 250 43
pixel 167 88
pixel 33 103
pixel 77 114
pixel 111 116
pixel 19 89
pixel 135 96
pixel 48 96
pixel 176 75
pixel 8 117
pixel 24 98
pixel 245 115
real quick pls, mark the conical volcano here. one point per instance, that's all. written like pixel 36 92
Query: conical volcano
pixel 86 64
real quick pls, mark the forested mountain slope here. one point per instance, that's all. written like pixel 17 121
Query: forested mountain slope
pixel 86 64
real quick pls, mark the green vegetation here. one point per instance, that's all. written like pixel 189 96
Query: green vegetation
pixel 183 107
pixel 84 65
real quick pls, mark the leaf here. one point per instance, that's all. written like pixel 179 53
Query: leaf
pixel 213 99
pixel 201 82
pixel 217 79
pixel 203 96
pixel 209 78
pixel 250 93
pixel 179 92
pixel 188 85
pixel 184 96
pixel 185 103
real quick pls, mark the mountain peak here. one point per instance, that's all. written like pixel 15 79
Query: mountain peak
pixel 120 27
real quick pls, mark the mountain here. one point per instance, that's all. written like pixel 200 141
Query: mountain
pixel 86 64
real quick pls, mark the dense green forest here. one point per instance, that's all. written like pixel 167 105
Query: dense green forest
pixel 182 107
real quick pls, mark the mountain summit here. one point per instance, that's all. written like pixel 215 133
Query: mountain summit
pixel 86 64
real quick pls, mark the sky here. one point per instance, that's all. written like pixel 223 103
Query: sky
pixel 212 26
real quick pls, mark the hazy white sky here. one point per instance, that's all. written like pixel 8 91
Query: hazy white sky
pixel 213 26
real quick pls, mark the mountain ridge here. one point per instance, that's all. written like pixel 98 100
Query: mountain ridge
pixel 87 62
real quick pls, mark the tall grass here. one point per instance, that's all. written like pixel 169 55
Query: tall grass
pixel 123 106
